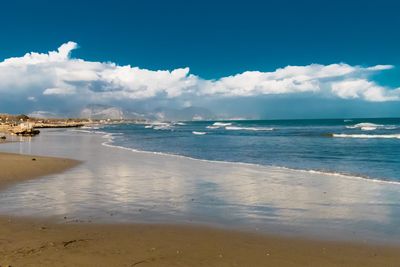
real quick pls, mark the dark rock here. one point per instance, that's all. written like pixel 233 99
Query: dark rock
pixel 29 132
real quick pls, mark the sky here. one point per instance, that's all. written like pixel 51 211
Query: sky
pixel 238 59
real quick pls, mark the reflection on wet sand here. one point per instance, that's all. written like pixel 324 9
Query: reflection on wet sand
pixel 118 185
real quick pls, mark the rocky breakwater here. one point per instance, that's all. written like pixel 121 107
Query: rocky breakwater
pixel 22 129
pixel 60 124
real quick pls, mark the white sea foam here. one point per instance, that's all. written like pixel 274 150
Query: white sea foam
pixel 163 127
pixel 385 136
pixel 159 126
pixel 90 127
pixel 199 133
pixel 236 128
pixel 217 125
pixel 213 127
pixel 366 126
pixel 221 124
pixel 390 127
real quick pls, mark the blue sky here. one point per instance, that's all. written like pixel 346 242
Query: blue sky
pixel 216 40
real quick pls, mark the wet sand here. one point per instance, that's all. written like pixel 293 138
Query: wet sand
pixel 15 167
pixel 34 242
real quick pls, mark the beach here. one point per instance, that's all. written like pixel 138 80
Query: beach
pixel 93 223
pixel 41 243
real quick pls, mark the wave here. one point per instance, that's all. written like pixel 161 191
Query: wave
pixel 110 139
pixel 221 124
pixel 236 128
pixel 199 133
pixel 91 127
pixel 213 127
pixel 163 127
pixel 384 136
pixel 228 126
pixel 392 127
pixel 217 125
pixel 109 143
pixel 159 126
pixel 366 126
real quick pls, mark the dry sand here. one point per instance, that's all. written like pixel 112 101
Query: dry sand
pixel 33 242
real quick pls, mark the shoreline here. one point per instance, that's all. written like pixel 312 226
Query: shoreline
pixel 109 143
pixel 26 241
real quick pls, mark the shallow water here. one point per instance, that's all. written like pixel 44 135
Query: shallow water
pixel 367 148
pixel 120 185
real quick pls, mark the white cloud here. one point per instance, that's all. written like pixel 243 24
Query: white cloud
pixel 358 88
pixel 59 91
pixel 33 58
pixel 55 74
pixel 340 80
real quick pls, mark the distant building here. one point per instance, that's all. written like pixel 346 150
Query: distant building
pixel 26 125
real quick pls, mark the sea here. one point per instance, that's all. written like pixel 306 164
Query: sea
pixel 365 148
pixel 335 179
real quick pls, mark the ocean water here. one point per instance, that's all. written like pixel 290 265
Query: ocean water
pixel 367 148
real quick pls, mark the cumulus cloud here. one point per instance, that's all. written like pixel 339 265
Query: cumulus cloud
pixel 359 88
pixel 340 80
pixel 43 76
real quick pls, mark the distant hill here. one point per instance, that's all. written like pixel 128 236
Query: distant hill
pixel 102 112
pixel 99 112
pixel 162 113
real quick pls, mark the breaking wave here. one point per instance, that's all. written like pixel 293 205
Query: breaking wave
pixel 159 126
pixel 199 133
pixel 221 124
pixel 385 136
pixel 366 126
